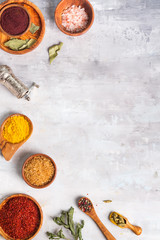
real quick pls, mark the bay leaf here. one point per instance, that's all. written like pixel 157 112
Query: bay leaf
pixel 28 44
pixel 53 51
pixel 34 28
pixel 15 43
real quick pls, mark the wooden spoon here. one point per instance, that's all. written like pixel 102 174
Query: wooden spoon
pixel 93 215
pixel 8 149
pixel 3 234
pixel 137 230
pixel 64 4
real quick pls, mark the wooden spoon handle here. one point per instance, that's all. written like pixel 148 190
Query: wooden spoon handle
pixel 137 230
pixel 9 150
pixel 2 143
pixel 104 230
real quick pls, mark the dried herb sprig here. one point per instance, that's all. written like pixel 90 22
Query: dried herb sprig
pixel 66 220
pixel 58 235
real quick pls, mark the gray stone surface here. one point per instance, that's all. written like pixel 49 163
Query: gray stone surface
pixel 97 114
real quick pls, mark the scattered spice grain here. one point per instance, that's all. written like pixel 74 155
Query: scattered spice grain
pixel 20 218
pixel 39 170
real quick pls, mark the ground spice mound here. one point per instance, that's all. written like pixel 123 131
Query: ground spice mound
pixel 16 129
pixel 14 20
pixel 20 218
pixel 39 170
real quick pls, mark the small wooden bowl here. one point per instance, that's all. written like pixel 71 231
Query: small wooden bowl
pixel 64 4
pixel 3 234
pixel 36 17
pixel 29 23
pixel 8 149
pixel 47 184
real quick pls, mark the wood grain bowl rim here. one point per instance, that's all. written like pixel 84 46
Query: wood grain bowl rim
pixel 15 5
pixel 16 114
pixel 41 36
pixel 77 33
pixel 47 184
pixel 36 203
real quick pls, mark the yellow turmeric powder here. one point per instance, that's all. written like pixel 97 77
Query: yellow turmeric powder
pixel 16 129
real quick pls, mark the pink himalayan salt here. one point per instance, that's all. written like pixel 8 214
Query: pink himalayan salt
pixel 74 19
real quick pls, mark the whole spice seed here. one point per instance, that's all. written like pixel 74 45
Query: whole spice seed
pixel 14 20
pixel 39 170
pixel 16 129
pixel 85 204
pixel 20 218
pixel 117 219
pixel 107 201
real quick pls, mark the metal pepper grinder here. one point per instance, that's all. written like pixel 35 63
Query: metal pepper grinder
pixel 14 85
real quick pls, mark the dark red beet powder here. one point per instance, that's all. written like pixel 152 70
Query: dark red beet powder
pixel 14 20
pixel 20 218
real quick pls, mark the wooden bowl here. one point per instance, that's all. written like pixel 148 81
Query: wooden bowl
pixel 29 23
pixel 8 149
pixel 64 4
pixel 47 184
pixel 40 211
pixel 36 17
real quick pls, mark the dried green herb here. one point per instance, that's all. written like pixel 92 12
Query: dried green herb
pixel 19 44
pixel 15 43
pixel 34 28
pixel 53 51
pixel 79 230
pixel 28 44
pixel 66 220
pixel 70 221
pixel 58 235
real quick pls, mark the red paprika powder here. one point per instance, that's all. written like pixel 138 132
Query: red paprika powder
pixel 14 20
pixel 20 218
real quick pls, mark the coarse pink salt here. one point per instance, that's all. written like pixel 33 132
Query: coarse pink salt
pixel 74 19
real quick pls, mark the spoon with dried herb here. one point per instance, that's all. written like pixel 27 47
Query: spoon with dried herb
pixel 86 206
pixel 123 222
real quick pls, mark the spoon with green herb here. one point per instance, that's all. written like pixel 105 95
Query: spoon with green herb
pixel 123 222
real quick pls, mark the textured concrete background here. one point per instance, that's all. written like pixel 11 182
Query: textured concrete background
pixel 97 114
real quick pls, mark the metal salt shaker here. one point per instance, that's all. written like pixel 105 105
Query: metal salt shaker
pixel 14 85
